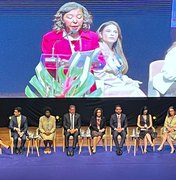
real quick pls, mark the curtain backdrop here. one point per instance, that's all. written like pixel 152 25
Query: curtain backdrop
pixel 33 108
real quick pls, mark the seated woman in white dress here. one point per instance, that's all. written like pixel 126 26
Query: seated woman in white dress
pixel 165 81
pixel 112 78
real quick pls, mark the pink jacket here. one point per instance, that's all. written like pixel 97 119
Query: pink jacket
pixel 89 41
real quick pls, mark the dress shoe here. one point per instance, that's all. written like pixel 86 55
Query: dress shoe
pixel 21 150
pixel 49 150
pixel 68 153
pixel 46 151
pixel 72 153
pixel 172 151
pixel 16 151
pixel 119 152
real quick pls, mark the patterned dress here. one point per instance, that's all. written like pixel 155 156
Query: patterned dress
pixel 170 122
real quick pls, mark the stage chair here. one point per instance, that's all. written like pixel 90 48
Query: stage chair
pixel 154 68
pixel 104 140
pixel 119 137
pixel 11 141
pixel 40 139
pixel 71 138
pixel 138 131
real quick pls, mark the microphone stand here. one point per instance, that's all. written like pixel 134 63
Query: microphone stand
pixel 57 59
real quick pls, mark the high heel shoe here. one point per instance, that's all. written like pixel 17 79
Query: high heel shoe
pixel 172 151
pixel 152 145
pixel 93 151
pixel 159 149
pixel 145 151
pixel 7 147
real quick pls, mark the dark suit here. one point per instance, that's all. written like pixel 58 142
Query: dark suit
pixel 23 128
pixel 67 125
pixel 114 124
pixel 93 124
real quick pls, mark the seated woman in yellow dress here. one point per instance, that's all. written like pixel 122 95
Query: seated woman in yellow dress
pixel 169 129
pixel 47 128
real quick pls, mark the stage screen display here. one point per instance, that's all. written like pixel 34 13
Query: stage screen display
pixel 60 49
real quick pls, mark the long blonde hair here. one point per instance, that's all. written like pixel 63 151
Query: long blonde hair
pixel 58 20
pixel 117 46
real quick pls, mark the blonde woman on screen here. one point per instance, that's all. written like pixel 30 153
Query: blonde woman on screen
pixel 165 81
pixel 113 78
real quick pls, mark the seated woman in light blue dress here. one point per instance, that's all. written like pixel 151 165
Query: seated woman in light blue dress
pixel 112 78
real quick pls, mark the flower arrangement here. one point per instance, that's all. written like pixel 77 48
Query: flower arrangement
pixel 75 83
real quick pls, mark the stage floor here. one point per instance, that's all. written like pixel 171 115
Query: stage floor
pixel 100 166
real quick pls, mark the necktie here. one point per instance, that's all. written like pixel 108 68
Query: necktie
pixel 19 122
pixel 118 121
pixel 72 121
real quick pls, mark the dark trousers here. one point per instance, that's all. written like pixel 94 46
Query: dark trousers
pixel 15 140
pixel 75 139
pixel 115 135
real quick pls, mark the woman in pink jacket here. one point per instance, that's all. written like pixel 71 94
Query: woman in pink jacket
pixel 71 33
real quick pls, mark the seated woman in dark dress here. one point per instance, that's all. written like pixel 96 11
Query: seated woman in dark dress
pixel 97 127
pixel 145 125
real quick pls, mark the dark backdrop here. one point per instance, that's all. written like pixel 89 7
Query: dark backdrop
pixel 33 108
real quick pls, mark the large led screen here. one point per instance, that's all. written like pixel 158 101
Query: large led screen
pixel 60 49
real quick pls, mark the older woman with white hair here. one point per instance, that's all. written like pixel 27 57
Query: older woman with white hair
pixel 113 79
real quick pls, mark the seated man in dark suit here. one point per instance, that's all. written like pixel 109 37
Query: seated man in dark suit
pixel 72 125
pixel 118 123
pixel 18 125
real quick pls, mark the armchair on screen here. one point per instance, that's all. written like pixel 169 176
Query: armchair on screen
pixel 154 68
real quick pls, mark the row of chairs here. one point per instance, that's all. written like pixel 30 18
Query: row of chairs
pixel 105 138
